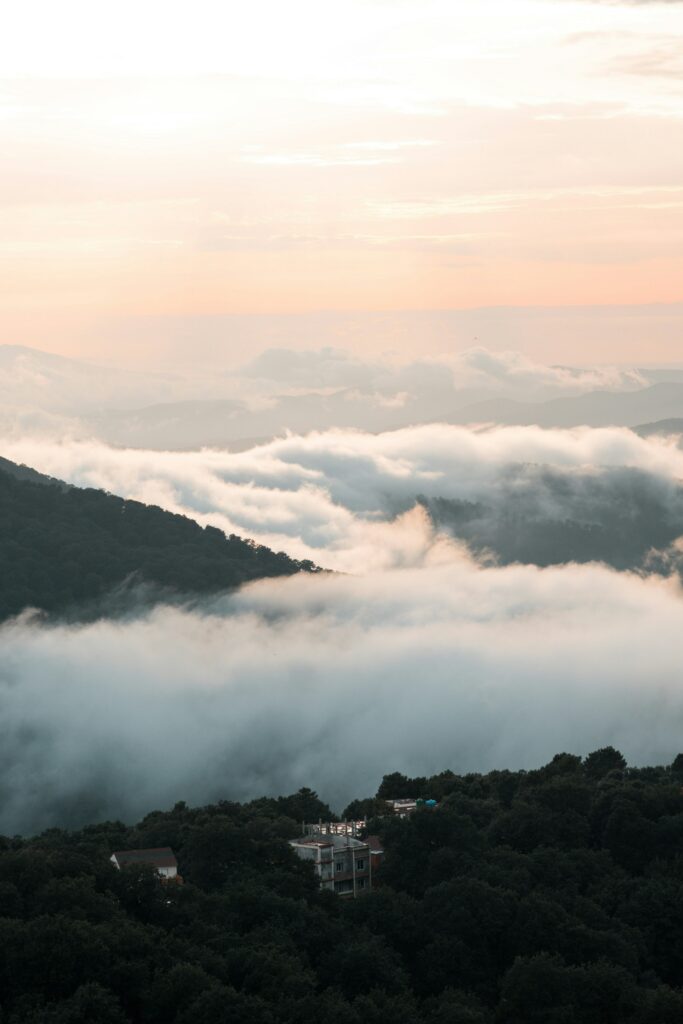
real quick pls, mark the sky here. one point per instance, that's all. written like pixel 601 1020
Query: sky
pixel 171 173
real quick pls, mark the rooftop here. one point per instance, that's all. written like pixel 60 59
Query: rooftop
pixel 337 842
pixel 375 844
pixel 160 857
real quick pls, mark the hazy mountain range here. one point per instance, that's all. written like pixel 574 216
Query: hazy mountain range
pixel 662 401
pixel 286 390
pixel 185 425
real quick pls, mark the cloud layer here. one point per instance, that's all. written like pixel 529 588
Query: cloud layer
pixel 332 682
pixel 334 497
pixel 416 658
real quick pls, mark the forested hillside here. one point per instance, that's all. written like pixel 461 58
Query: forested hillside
pixel 540 516
pixel 20 472
pixel 546 897
pixel 66 549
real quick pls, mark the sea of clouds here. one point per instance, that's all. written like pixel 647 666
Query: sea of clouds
pixel 331 682
pixel 413 656
pixel 443 638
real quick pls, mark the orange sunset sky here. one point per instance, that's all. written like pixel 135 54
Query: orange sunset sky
pixel 198 160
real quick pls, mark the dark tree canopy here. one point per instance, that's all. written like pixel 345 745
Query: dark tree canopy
pixel 532 897
pixel 602 761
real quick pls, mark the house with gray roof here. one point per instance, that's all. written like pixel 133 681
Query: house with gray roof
pixel 162 858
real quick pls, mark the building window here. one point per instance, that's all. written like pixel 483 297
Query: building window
pixel 361 883
pixel 360 864
pixel 340 865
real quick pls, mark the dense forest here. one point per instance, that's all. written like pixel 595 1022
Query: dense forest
pixel 552 896
pixel 66 550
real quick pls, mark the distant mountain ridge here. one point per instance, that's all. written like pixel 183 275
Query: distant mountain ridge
pixel 227 424
pixel 593 409
pixel 299 392
pixel 47 395
pixel 66 550
pixel 663 428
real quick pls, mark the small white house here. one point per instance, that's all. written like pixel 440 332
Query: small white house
pixel 162 858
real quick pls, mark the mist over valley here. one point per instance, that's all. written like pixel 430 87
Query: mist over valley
pixel 494 593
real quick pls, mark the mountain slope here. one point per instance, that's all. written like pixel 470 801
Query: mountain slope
pixel 21 472
pixel 64 550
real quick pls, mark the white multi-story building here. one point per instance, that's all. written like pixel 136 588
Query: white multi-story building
pixel 343 864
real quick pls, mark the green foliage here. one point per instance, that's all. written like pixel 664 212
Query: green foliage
pixel 552 896
pixel 601 762
pixel 65 550
pixel 370 807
